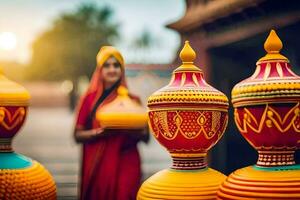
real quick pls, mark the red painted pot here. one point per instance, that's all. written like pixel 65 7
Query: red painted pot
pixel 188 116
pixel 267 107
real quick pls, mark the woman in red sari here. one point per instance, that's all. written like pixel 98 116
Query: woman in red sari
pixel 110 159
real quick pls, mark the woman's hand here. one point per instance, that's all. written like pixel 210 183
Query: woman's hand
pixel 88 135
pixel 97 132
pixel 141 134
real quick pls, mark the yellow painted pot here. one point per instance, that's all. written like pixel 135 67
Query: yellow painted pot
pixel 122 113
pixel 20 176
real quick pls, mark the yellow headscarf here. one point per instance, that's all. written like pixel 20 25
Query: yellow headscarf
pixel 106 52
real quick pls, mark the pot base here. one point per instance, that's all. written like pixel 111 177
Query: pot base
pixel 31 182
pixel 182 184
pixel 254 182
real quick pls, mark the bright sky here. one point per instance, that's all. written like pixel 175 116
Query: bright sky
pixel 23 20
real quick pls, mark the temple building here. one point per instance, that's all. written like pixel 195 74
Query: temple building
pixel 227 36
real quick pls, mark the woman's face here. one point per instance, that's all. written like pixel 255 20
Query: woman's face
pixel 111 71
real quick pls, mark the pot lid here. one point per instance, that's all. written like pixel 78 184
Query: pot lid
pixel 11 93
pixel 188 86
pixel 272 81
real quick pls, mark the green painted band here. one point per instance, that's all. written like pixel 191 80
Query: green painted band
pixel 277 168
pixel 12 160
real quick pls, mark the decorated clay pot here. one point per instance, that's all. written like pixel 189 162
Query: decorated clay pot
pixel 266 112
pixel 122 113
pixel 20 176
pixel 267 107
pixel 13 110
pixel 187 117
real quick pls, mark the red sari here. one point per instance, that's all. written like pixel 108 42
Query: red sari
pixel 110 165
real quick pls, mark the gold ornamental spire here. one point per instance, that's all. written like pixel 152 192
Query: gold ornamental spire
pixel 187 56
pixel 273 45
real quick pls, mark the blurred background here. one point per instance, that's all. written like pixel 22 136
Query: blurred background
pixel 49 46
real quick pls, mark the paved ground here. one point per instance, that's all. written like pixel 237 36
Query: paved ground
pixel 47 138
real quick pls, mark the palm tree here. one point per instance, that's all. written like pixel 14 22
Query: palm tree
pixel 143 44
pixel 68 49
